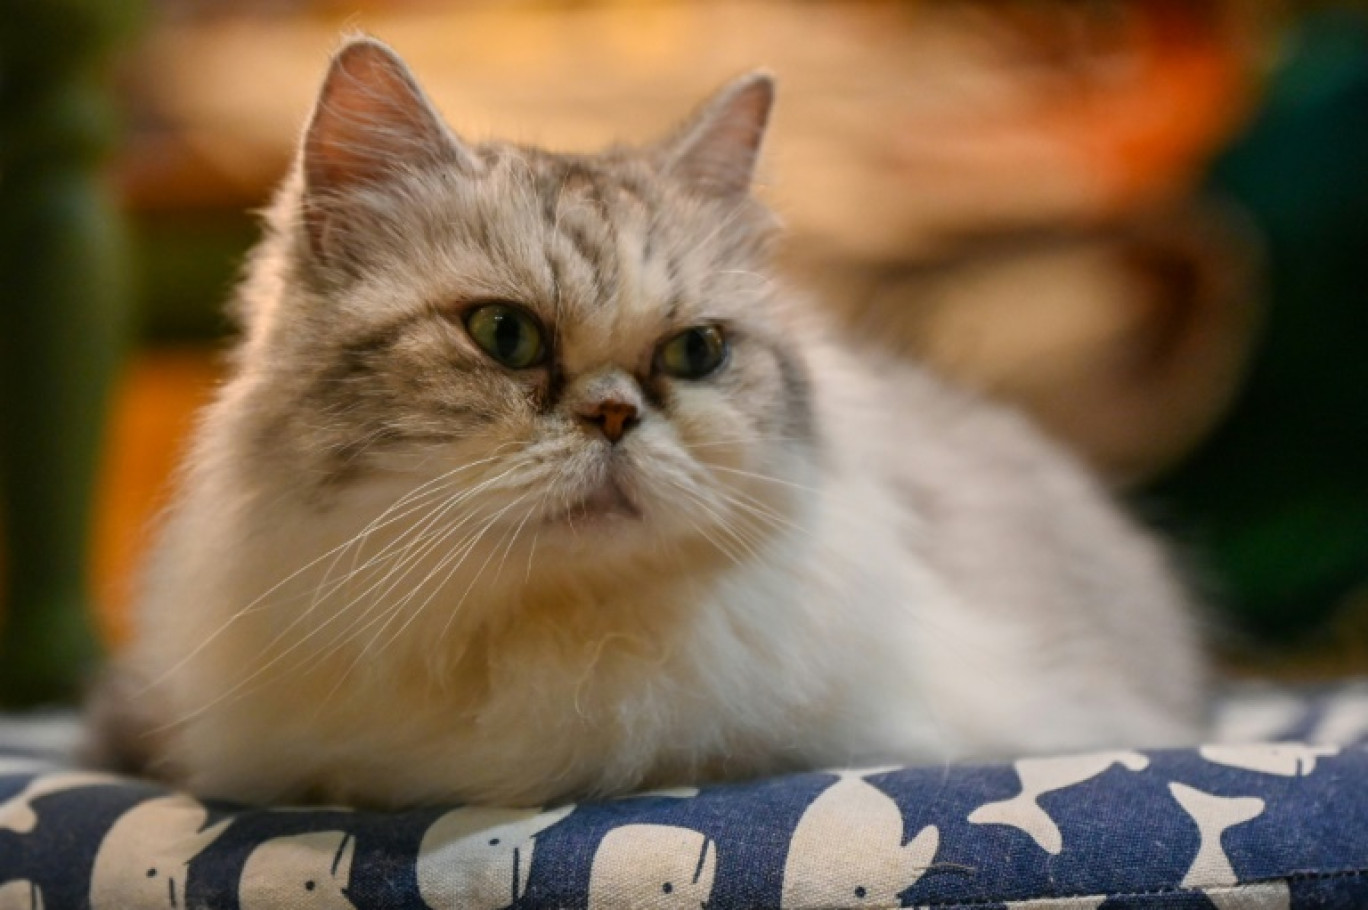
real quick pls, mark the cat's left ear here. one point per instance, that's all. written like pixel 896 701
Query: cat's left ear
pixel 715 150
pixel 371 121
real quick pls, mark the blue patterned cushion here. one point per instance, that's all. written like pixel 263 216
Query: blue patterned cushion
pixel 1274 824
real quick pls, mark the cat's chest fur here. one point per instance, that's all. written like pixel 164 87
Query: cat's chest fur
pixel 624 679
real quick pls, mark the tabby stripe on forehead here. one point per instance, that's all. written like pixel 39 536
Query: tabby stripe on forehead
pixel 637 196
pixel 596 253
pixel 577 178
pixel 485 239
pixel 636 191
pixel 602 266
pixel 674 282
pixel 554 267
pixel 556 374
pixel 579 223
pixel 548 189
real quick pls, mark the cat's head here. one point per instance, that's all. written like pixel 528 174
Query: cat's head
pixel 583 348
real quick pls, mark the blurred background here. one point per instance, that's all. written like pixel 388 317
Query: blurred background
pixel 1146 221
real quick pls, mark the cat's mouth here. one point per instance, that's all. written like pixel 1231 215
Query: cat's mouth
pixel 608 502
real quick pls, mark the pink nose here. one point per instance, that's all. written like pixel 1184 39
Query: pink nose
pixel 612 415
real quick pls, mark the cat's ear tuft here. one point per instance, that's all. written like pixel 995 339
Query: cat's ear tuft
pixel 371 120
pixel 716 149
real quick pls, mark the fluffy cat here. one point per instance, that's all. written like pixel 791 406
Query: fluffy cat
pixel 531 484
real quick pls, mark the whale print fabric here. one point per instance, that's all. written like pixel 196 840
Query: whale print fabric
pixel 1273 815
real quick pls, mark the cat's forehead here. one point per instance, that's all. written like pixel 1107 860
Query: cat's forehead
pixel 603 249
pixel 600 246
pixel 618 177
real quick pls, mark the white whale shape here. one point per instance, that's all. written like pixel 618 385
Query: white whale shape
pixel 1213 814
pixel 1283 759
pixel 16 813
pixel 652 867
pixel 848 850
pixel 477 858
pixel 1260 896
pixel 300 871
pixel 20 894
pixel 142 859
pixel 661 793
pixel 1046 775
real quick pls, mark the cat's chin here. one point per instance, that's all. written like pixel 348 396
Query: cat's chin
pixel 606 506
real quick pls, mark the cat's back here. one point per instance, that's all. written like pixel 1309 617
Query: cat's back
pixel 1030 566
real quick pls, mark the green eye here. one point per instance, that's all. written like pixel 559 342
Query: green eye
pixel 507 334
pixel 693 353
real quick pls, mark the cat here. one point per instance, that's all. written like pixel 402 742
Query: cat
pixel 530 484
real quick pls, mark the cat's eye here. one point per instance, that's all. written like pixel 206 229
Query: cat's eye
pixel 693 353
pixel 508 334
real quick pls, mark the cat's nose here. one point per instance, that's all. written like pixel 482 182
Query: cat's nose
pixel 612 415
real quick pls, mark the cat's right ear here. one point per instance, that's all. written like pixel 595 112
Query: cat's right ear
pixel 371 122
pixel 715 150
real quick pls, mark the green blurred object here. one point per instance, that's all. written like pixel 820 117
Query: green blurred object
pixel 62 322
pixel 1277 501
pixel 188 263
